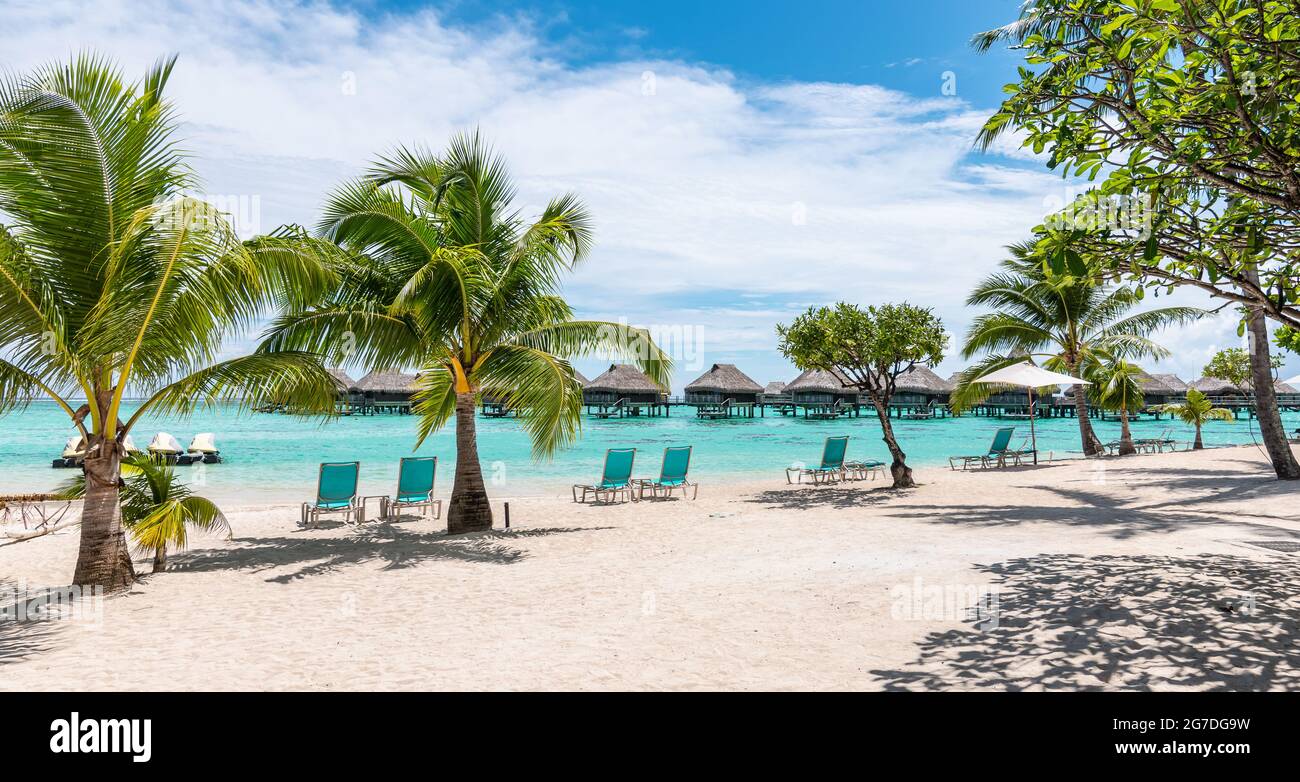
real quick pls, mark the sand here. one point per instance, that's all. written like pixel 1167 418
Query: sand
pixel 1127 573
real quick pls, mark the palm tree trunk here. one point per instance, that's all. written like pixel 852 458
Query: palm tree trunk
pixel 103 559
pixel 160 559
pixel 469 509
pixel 901 473
pixel 1197 445
pixel 1126 446
pixel 1091 445
pixel 1270 419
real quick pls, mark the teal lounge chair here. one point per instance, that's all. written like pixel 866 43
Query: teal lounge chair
pixel 415 476
pixel 832 463
pixel 336 492
pixel 861 471
pixel 998 452
pixel 615 479
pixel 672 475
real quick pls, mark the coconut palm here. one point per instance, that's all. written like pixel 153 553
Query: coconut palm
pixel 1072 323
pixel 113 281
pixel 439 271
pixel 1116 385
pixel 1197 411
pixel 157 508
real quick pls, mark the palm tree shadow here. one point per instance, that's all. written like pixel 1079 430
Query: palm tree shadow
pixel 395 547
pixel 1137 622
pixel 802 497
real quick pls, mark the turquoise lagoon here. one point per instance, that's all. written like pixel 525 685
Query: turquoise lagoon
pixel 272 457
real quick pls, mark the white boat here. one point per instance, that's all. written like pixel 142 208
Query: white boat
pixel 164 444
pixel 204 442
pixel 203 448
pixel 75 449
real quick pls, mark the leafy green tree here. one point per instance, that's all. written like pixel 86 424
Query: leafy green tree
pixel 1197 411
pixel 1116 385
pixel 1233 365
pixel 439 271
pixel 113 280
pixel 1074 323
pixel 871 349
pixel 1189 108
pixel 157 508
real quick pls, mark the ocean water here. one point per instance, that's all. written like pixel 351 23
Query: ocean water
pixel 275 457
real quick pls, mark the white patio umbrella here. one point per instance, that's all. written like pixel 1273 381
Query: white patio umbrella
pixel 1027 376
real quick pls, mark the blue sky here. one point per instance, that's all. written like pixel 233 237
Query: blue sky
pixel 742 160
pixel 899 45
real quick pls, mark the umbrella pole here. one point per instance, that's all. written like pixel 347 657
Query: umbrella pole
pixel 1033 434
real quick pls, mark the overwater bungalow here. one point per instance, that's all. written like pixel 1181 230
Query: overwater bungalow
pixel 1214 387
pixel 1288 398
pixel 823 394
pixel 345 398
pixel 723 391
pixel 1162 389
pixel 385 392
pixel 920 393
pixel 623 390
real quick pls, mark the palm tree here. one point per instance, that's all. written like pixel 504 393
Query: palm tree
pixel 1071 322
pixel 439 271
pixel 157 508
pixel 1197 410
pixel 112 280
pixel 1116 385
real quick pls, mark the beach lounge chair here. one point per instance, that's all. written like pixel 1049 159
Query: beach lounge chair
pixel 832 463
pixel 998 453
pixel 336 492
pixel 861 471
pixel 1166 439
pixel 672 475
pixel 615 479
pixel 415 476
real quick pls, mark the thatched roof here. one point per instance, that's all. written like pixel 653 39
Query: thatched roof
pixel 341 379
pixel 1278 387
pixel 775 387
pixel 922 380
pixel 387 382
pixel 820 380
pixel 624 378
pixel 1213 386
pixel 581 377
pixel 1162 384
pixel 726 378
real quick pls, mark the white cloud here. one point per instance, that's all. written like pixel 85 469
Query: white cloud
pixel 698 180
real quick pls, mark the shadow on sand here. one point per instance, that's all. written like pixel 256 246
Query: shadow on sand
pixel 20 638
pixel 1137 622
pixel 799 497
pixel 395 547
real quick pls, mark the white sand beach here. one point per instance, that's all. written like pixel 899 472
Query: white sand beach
pixel 1132 573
